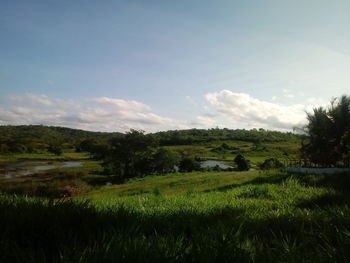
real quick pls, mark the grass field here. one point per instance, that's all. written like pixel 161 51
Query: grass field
pixel 255 153
pixel 76 215
pixel 191 217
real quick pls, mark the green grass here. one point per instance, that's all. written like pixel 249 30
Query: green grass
pixel 178 183
pixel 279 150
pixel 192 217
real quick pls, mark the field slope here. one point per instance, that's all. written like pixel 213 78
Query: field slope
pixel 194 217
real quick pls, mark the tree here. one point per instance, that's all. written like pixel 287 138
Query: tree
pixel 164 161
pixel 55 149
pixel 189 164
pixel 129 155
pixel 86 145
pixel 328 133
pixel 241 162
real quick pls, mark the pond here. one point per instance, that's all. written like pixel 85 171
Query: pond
pixel 213 163
pixel 26 168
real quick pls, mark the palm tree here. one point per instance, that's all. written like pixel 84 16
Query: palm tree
pixel 339 113
pixel 329 133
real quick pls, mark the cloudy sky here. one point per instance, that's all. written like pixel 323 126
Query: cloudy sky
pixel 161 64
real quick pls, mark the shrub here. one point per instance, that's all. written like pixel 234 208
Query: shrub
pixel 188 164
pixel 242 163
pixel 271 163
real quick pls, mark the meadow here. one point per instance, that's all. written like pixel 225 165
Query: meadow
pixel 256 153
pixel 250 216
pixel 79 214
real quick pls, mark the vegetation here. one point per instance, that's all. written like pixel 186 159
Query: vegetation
pixel 108 210
pixel 198 136
pixel 271 163
pixel 134 155
pixel 189 164
pixel 56 183
pixel 247 217
pixel 328 133
pixel 40 139
pixel 241 162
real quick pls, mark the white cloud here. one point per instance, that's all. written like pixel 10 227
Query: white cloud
pixel 222 109
pixel 243 110
pixel 126 105
pixel 107 114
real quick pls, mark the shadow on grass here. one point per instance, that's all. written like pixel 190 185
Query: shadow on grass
pixel 97 180
pixel 67 231
pixel 338 182
pixel 326 200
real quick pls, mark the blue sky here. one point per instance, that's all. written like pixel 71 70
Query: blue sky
pixel 157 65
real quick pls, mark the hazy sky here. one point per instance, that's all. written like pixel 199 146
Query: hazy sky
pixel 157 65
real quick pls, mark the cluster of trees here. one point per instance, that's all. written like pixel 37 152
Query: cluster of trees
pixel 328 131
pixel 136 154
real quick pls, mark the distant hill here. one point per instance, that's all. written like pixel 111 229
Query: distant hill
pixel 194 136
pixel 32 138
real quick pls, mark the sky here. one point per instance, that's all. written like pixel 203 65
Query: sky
pixel 156 65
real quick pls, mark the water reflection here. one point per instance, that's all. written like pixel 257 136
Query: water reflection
pixel 213 163
pixel 25 168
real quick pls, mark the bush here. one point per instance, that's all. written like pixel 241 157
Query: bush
pixel 55 149
pixel 271 163
pixel 188 164
pixel 242 163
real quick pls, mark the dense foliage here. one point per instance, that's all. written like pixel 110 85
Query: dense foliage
pixel 38 138
pixel 192 136
pixel 271 163
pixel 241 162
pixel 328 131
pixel 134 154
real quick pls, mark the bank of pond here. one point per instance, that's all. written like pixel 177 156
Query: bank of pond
pixel 12 170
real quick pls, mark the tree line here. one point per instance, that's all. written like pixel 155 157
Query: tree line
pixel 39 139
pixel 196 136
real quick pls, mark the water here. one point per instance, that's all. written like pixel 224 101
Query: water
pixel 26 168
pixel 213 163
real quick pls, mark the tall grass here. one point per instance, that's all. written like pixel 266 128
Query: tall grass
pixel 272 218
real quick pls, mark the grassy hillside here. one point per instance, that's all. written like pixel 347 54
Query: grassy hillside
pixel 37 139
pixel 255 153
pixel 193 217
pixel 77 215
